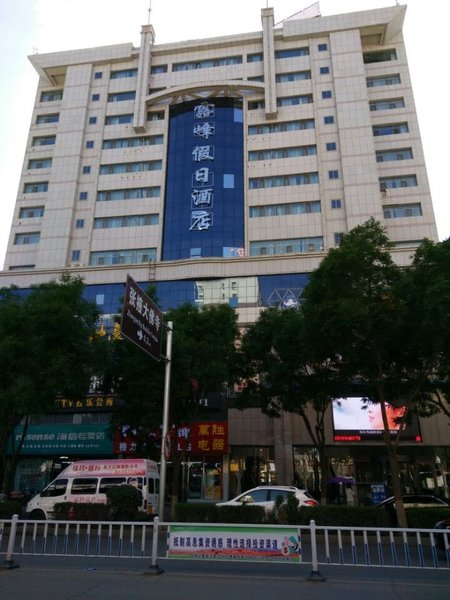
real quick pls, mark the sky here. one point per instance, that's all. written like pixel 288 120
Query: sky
pixel 30 26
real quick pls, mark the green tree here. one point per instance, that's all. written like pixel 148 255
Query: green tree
pixel 282 373
pixel 204 359
pixel 374 315
pixel 45 351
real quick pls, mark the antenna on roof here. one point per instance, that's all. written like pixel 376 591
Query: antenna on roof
pixel 149 10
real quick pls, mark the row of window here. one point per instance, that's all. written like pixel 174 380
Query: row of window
pixel 279 210
pixel 298 246
pixel 127 221
pixel 128 194
pixel 133 167
pixel 122 257
pixel 283 180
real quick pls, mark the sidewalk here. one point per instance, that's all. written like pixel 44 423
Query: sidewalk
pixel 59 578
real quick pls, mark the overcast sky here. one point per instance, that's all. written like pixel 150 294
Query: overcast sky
pixel 29 26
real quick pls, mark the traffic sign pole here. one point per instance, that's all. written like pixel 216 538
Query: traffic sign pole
pixel 165 423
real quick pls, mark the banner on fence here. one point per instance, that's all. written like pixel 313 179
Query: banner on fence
pixel 234 543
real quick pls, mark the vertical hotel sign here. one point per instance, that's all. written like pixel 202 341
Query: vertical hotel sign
pixel 142 320
pixel 202 195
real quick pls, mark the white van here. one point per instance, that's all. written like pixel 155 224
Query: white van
pixel 87 481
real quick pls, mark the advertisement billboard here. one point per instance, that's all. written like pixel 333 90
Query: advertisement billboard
pixel 355 420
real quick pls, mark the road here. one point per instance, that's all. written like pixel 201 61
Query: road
pixel 69 578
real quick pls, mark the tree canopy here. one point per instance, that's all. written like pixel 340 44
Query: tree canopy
pixel 45 351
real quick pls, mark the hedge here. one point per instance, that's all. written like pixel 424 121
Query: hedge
pixel 8 508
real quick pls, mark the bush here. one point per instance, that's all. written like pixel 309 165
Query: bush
pixel 8 508
pixel 82 511
pixel 426 518
pixel 210 513
pixel 124 501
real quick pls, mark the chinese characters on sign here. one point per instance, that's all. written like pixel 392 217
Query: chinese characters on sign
pixel 142 320
pixel 202 438
pixel 202 195
pixel 193 438
pixel 88 403
pixel 243 543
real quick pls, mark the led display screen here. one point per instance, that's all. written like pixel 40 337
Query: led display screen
pixel 355 420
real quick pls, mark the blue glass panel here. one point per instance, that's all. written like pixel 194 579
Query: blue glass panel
pixel 200 211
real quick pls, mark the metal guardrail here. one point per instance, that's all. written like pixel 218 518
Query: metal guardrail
pixel 319 545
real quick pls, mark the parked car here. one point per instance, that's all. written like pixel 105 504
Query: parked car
pixel 440 541
pixel 266 496
pixel 411 501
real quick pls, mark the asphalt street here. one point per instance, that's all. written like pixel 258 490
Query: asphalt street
pixel 62 578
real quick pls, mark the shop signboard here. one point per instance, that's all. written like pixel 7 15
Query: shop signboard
pixel 63 439
pixel 247 543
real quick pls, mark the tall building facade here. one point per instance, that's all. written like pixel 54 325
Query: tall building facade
pixel 223 170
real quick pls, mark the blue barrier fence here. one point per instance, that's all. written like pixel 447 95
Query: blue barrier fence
pixel 313 544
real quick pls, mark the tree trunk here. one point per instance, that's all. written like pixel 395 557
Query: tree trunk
pixel 396 487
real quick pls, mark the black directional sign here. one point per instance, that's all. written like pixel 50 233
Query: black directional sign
pixel 142 320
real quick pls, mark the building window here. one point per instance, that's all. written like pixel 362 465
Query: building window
pixel 207 63
pixel 35 188
pixel 281 127
pixel 123 73
pixel 391 155
pixel 98 75
pixel 23 239
pixel 401 181
pixel 297 245
pixel 134 167
pixel 123 257
pixel 83 196
pixel 326 94
pixel 256 104
pixel 281 210
pixel 44 140
pixel 31 212
pixel 86 169
pixel 40 163
pixel 293 100
pixel 51 96
pixel 292 52
pixel 390 129
pixel 127 221
pixel 92 120
pixel 95 97
pixel 46 119
pixel 129 194
pixel 195 253
pixel 389 104
pixel 337 203
pixel 79 223
pixel 155 116
pixel 383 80
pixel 333 174
pixel 157 69
pixel 75 255
pixel 90 144
pixel 283 180
pixel 379 56
pixel 295 76
pixel 331 146
pixel 328 120
pixel 121 96
pixel 255 57
pixel 133 142
pixel 338 238
pixel 276 153
pixel 256 78
pixel 402 211
pixel 322 47
pixel 21 267
pixel 324 70
pixel 119 119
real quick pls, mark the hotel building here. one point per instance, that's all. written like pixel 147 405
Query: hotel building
pixel 223 170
